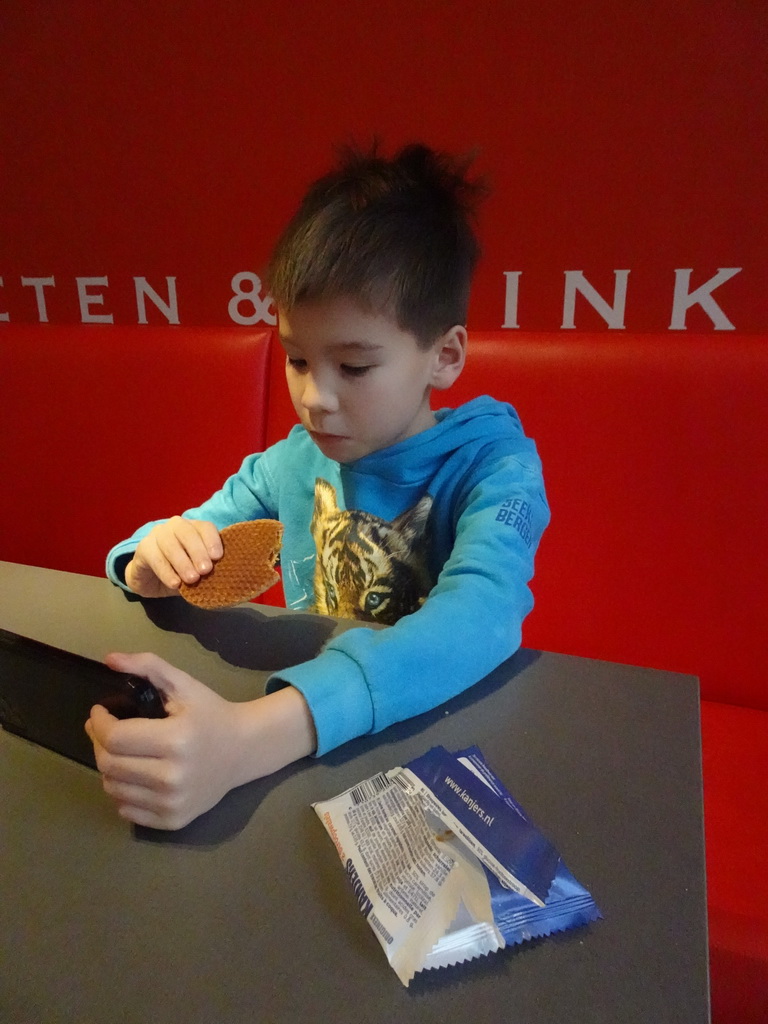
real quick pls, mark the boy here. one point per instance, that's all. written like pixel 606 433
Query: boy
pixel 392 512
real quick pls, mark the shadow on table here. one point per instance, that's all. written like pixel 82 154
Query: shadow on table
pixel 244 636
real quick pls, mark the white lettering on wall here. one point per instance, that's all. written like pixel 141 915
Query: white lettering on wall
pixel 39 283
pixel 251 296
pixel 88 299
pixel 510 298
pixel 702 296
pixel 613 315
pixel 144 291
pixel 249 306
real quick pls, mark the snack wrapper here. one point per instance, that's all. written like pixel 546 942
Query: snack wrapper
pixel 445 864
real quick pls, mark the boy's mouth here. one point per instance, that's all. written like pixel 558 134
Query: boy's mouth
pixel 335 446
pixel 323 435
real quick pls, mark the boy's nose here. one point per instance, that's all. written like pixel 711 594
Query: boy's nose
pixel 317 396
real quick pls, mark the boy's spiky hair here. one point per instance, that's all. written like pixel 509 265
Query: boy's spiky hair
pixel 396 235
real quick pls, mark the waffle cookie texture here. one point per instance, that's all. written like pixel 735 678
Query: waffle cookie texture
pixel 245 570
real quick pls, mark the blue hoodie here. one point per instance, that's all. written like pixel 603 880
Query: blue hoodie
pixel 435 535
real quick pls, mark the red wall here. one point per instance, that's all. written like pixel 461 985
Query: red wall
pixel 157 140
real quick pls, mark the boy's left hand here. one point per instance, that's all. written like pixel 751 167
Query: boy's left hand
pixel 163 772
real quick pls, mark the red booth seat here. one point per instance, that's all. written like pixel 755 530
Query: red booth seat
pixel 655 452
pixel 104 428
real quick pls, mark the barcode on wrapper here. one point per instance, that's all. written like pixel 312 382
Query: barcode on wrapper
pixel 369 789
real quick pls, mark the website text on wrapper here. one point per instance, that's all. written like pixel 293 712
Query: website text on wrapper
pixel 473 805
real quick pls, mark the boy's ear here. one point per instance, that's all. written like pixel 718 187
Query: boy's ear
pixel 450 351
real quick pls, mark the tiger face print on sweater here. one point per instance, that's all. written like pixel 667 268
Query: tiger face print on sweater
pixel 366 567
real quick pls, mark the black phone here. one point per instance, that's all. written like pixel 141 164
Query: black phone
pixel 46 695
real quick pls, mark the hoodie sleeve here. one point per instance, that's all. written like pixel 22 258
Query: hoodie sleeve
pixel 368 679
pixel 251 493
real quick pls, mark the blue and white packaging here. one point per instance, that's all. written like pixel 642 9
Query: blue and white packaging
pixel 445 864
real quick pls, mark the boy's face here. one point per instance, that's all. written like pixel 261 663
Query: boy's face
pixel 358 382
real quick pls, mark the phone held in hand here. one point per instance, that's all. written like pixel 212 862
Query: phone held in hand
pixel 46 695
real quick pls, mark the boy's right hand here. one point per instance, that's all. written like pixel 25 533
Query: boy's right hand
pixel 178 549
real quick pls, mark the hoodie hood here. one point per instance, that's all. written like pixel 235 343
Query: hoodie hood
pixel 471 427
pixel 452 453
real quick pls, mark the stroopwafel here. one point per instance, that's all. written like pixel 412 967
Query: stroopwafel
pixel 245 570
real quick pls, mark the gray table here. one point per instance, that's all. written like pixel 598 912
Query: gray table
pixel 246 915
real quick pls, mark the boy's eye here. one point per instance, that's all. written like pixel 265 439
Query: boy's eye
pixel 297 364
pixel 355 371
